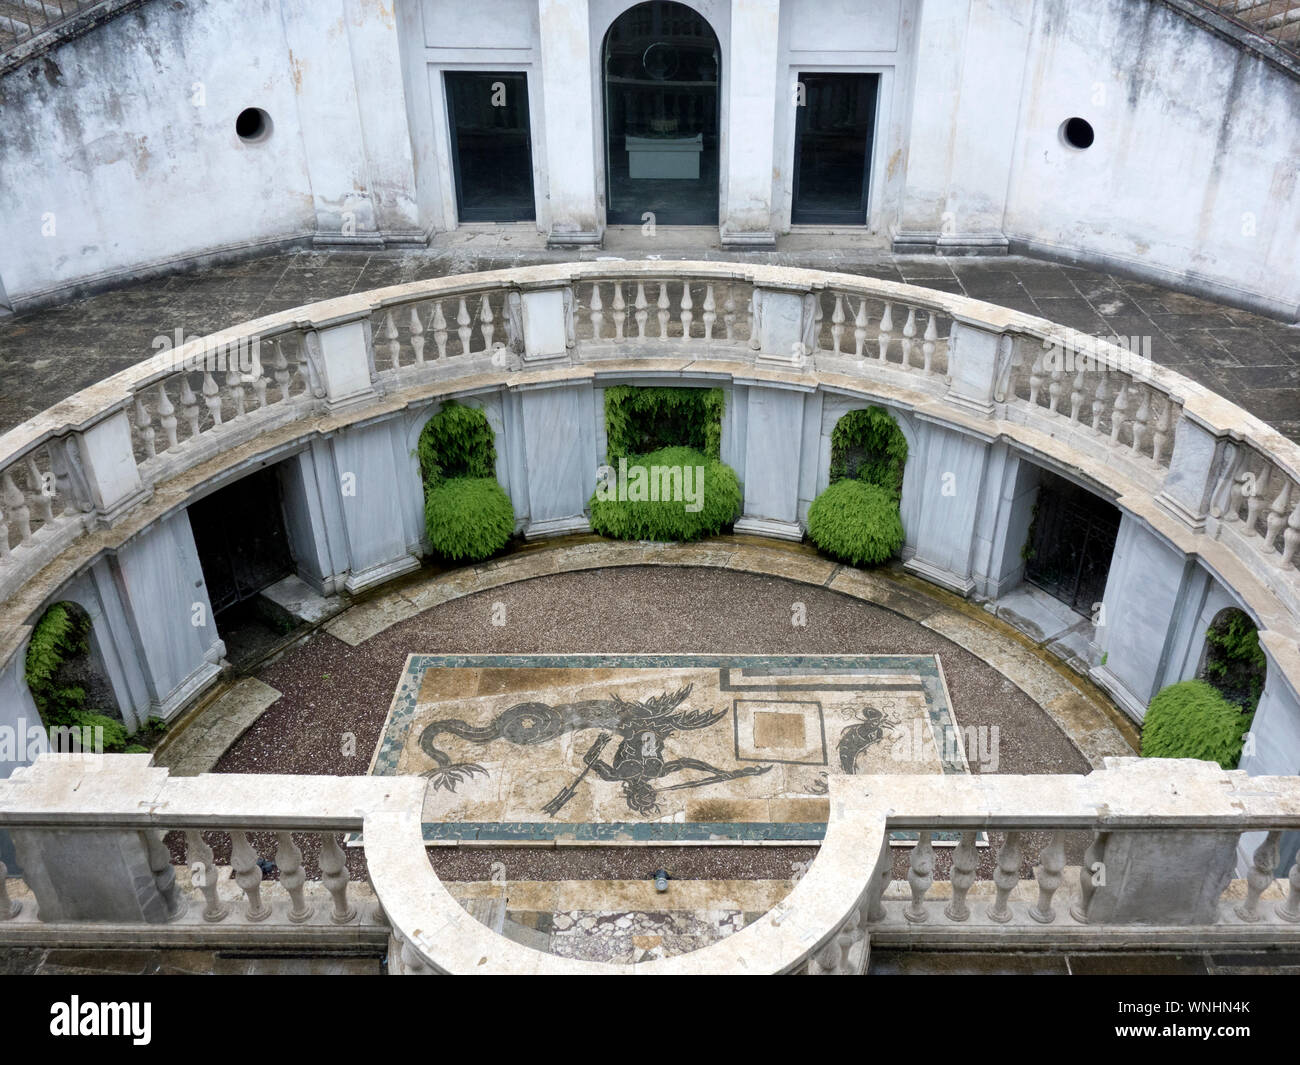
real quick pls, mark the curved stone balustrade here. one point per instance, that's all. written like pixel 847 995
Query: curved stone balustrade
pixel 1204 479
pixel 1165 831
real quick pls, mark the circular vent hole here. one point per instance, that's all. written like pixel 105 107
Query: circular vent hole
pixel 253 124
pixel 1077 133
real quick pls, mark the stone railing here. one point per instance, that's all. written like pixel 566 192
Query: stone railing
pixel 94 469
pixel 1158 873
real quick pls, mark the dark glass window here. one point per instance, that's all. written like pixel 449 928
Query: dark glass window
pixel 662 65
pixel 834 127
pixel 491 148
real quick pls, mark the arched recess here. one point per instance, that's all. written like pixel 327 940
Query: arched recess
pixel 1232 660
pixel 660 70
pixel 65 669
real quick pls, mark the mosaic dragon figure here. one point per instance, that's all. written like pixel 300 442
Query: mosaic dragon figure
pixel 637 761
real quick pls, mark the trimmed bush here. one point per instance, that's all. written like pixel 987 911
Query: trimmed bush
pixel 467 515
pixel 639 517
pixel 856 522
pixel 467 518
pixel 868 445
pixel 1192 720
pixel 640 421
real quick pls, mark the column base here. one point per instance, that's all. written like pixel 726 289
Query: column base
pixel 179 697
pixel 1167 503
pixel 1116 689
pixel 778 530
pixel 360 580
pixel 576 239
pixel 766 239
pixel 963 586
pixel 541 530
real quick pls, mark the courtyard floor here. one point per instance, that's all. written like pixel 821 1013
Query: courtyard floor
pixel 48 354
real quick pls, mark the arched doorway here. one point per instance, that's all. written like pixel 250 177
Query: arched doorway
pixel 662 69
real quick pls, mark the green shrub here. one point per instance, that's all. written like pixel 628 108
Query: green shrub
pixel 457 442
pixel 856 522
pixel 1234 662
pixel 62 633
pixel 640 421
pixel 467 518
pixel 1192 720
pixel 716 492
pixel 868 445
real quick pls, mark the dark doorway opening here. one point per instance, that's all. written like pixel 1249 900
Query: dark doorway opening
pixel 239 532
pixel 491 146
pixel 834 129
pixel 1071 542
pixel 662 68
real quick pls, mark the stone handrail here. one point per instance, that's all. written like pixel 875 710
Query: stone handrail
pixel 87 473
pixel 1165 829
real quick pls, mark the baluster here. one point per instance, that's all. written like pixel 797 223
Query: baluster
pixel 1277 515
pixel 920 875
pixel 485 322
pixel 256 375
pixel 9 908
pixel 417 336
pixel 620 310
pixel 687 307
pixel 928 344
pixel 755 341
pixel 1087 886
pixel 43 488
pixel 411 960
pixel 1118 413
pixel 16 505
pixel 388 341
pixel 909 331
pixel 166 415
pixel 729 314
pixel 1035 380
pixel 880 878
pixel 1006 877
pixel 1101 398
pixel 1076 397
pixel 248 875
pixel 280 370
pixel 144 423
pixel 212 397
pixel 1290 538
pixel 289 858
pixel 1255 493
pixel 1288 910
pixel 1049 873
pixel 884 329
pixel 235 382
pixel 710 313
pixel 663 313
pixel 463 329
pixel 189 406
pixel 204 871
pixel 1054 388
pixel 837 324
pixel 964 862
pixel 817 325
pixel 334 875
pixel 642 315
pixel 439 330
pixel 847 937
pixel 4 537
pixel 597 312
pixel 1140 420
pixel 1263 862
pixel 860 329
pixel 164 876
pixel 1160 436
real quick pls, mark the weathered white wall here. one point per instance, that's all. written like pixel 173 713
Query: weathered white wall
pixel 118 151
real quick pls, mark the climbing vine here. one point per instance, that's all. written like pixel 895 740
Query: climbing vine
pixel 868 445
pixel 641 420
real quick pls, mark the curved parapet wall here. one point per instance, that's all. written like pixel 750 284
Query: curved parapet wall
pixel 93 491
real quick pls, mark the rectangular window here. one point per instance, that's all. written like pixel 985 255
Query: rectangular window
pixel 491 147
pixel 834 127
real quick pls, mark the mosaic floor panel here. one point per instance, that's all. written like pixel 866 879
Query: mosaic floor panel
pixel 657 748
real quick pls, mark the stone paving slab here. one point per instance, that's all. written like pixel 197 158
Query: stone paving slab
pixel 196 749
pixel 46 355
